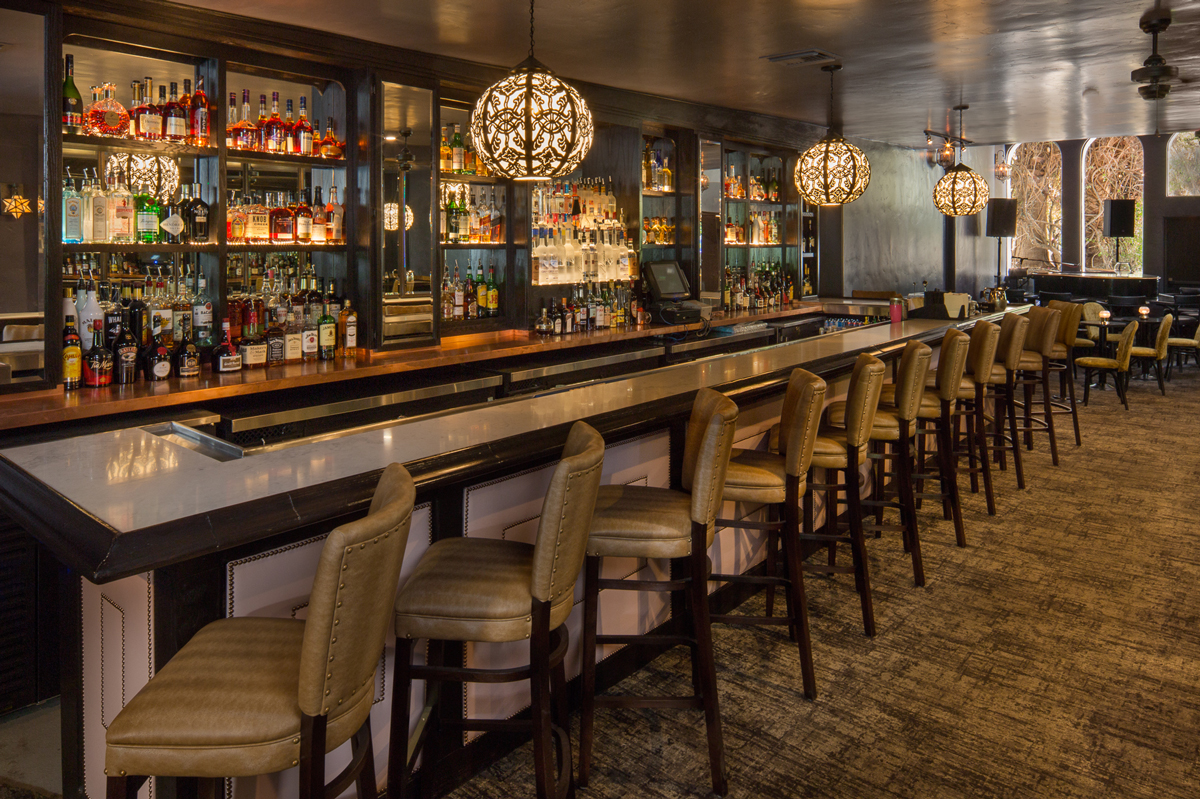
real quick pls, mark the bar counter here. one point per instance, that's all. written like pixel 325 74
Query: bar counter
pixel 50 407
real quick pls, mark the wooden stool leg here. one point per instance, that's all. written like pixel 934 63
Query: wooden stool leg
pixel 795 576
pixel 587 679
pixel 397 777
pixel 1048 410
pixel 984 457
pixel 1087 384
pixel 999 419
pixel 908 513
pixel 772 565
pixel 1012 429
pixel 435 731
pixel 542 705
pixel 1074 410
pixel 858 543
pixel 1027 390
pixel 561 716
pixel 968 423
pixel 921 456
pixel 365 780
pixel 880 493
pixel 698 586
pixel 831 514
pixel 1158 372
pixel 123 787
pixel 949 474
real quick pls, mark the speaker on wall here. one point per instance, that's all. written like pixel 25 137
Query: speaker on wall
pixel 1118 218
pixel 1001 217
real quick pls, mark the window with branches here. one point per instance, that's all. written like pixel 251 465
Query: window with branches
pixel 1183 165
pixel 1112 170
pixel 1037 187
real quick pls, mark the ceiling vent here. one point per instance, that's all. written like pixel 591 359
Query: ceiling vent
pixel 803 58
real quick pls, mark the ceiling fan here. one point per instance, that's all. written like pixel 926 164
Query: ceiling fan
pixel 1155 74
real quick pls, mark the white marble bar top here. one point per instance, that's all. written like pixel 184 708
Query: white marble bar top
pixel 132 479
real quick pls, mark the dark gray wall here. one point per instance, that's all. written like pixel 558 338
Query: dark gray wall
pixel 20 272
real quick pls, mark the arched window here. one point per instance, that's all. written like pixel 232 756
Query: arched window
pixel 1037 187
pixel 1183 166
pixel 1112 170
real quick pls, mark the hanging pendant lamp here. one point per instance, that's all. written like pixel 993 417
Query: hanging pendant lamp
pixel 833 171
pixel 962 191
pixel 530 125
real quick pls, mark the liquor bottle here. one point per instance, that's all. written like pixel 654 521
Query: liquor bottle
pixel 139 318
pixel 156 361
pixel 348 332
pixel 470 297
pixel 186 358
pixel 98 226
pixel 310 336
pixel 202 314
pixel 245 132
pixel 225 357
pixel 481 294
pixel 447 298
pixel 647 169
pixel 326 334
pixel 72 213
pixel 231 120
pixel 196 216
pixel 185 100
pixel 125 353
pixel 445 158
pixel 543 326
pixel 107 117
pixel 121 212
pixel 457 287
pixel 141 115
pixel 90 313
pixel 304 219
pixel 330 146
pixel 332 300
pixel 72 117
pixel 181 311
pixel 334 213
pixel 173 226
pixel 72 356
pixel 253 346
pixel 302 136
pixel 258 222
pixel 282 221
pixel 114 313
pixel 292 334
pixel 320 219
pixel 149 116
pixel 493 291
pixel 260 143
pixel 175 120
pixel 556 320
pixel 276 339
pixel 162 315
pixel 456 151
pixel 146 210
pixel 274 135
pixel 198 116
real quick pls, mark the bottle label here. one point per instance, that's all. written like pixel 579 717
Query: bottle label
pixel 126 364
pixel 72 112
pixel 335 227
pixel 189 364
pixel 202 316
pixel 275 350
pixel 308 342
pixel 306 141
pixel 320 229
pixel 327 335
pixel 97 371
pixel 122 221
pixel 161 370
pixel 200 126
pixel 150 125
pixel 182 323
pixel 254 354
pixel 147 222
pixel 229 363
pixel 291 347
pixel 177 127
pixel 258 225
pixel 173 224
pixel 73 218
pixel 160 322
pixel 304 227
pixel 100 218
pixel 351 333
pixel 72 364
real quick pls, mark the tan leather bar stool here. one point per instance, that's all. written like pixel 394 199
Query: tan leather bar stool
pixel 840 451
pixel 483 589
pixel 1034 371
pixel 1157 353
pixel 935 417
pixel 972 403
pixel 892 433
pixel 1062 360
pixel 249 696
pixel 1118 366
pixel 1014 329
pixel 643 522
pixel 779 480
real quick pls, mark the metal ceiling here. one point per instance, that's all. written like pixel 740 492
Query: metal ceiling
pixel 1030 69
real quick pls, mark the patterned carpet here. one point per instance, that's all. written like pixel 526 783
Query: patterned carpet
pixel 1057 656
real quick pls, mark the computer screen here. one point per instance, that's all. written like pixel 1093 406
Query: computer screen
pixel 667 281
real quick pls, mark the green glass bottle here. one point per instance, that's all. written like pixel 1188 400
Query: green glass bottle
pixel 326 334
pixel 72 118
pixel 146 213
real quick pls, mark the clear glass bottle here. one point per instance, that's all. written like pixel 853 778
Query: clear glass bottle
pixel 202 313
pixel 72 212
pixel 292 334
pixel 107 117
pixel 334 214
pixel 348 332
pixel 149 115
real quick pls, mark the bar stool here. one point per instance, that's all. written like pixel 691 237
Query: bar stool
pixel 483 589
pixel 972 404
pixel 891 436
pixel 249 696
pixel 643 522
pixel 842 451
pixel 935 416
pixel 779 480
pixel 1014 329
pixel 1034 371
pixel 1062 360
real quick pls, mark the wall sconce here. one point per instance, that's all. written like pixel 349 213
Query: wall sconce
pixel 1003 170
pixel 391 216
pixel 14 200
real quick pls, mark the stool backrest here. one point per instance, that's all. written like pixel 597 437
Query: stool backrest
pixel 1043 330
pixel 862 399
pixel 800 419
pixel 1164 333
pixel 567 516
pixel 1013 330
pixel 952 364
pixel 350 608
pixel 1125 346
pixel 981 353
pixel 706 451
pixel 910 379
pixel 1091 312
pixel 1068 324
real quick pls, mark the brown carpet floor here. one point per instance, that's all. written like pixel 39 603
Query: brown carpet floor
pixel 1057 656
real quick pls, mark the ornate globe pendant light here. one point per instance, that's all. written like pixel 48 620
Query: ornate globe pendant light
pixel 962 191
pixel 833 171
pixel 530 125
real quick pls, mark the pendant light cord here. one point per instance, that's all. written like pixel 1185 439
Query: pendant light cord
pixel 531 2
pixel 831 100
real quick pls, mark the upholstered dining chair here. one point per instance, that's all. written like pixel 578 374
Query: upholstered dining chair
pixel 1157 354
pixel 1118 366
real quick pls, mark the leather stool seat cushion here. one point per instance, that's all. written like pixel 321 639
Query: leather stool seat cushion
pixel 931 406
pixel 829 450
pixel 885 428
pixel 999 375
pixel 1031 361
pixel 1145 352
pixel 1182 342
pixel 966 388
pixel 642 522
pixel 472 589
pixel 1093 362
pixel 1080 343
pixel 1059 351
pixel 225 706
pixel 754 476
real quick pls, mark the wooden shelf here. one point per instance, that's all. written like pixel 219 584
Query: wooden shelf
pixel 453 177
pixel 285 247
pixel 136 145
pixel 654 193
pixel 734 200
pixel 140 248
pixel 766 202
pixel 474 246
pixel 764 246
pixel 238 156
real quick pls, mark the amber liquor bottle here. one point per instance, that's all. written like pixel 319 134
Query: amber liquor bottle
pixel 302 134
pixel 198 116
pixel 175 117
pixel 98 361
pixel 274 134
pixel 225 357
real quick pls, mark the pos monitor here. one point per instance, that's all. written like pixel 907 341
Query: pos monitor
pixel 666 281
